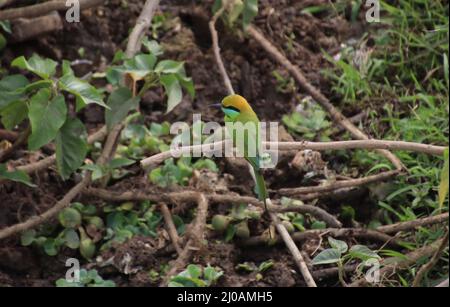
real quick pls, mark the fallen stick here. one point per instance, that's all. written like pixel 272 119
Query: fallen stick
pixel 372 144
pixel 335 114
pixel 47 215
pixel 44 8
pixel 359 233
pixel 402 226
pixel 296 254
pixel 216 48
pixel 195 239
pixel 171 229
pixel 190 196
pixel 430 264
pixel 338 184
pixel 26 29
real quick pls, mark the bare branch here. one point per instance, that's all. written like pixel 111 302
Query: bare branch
pixel 335 114
pixel 429 265
pixel 44 8
pixel 402 226
pixel 171 229
pixel 216 48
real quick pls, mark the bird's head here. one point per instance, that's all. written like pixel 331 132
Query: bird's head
pixel 234 105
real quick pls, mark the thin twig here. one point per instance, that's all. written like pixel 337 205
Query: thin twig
pixel 360 233
pixel 142 24
pixel 190 196
pixel 39 219
pixel 171 229
pixel 402 226
pixel 195 239
pixel 430 264
pixel 335 114
pixel 318 146
pixel 296 254
pixel 216 48
pixel 338 184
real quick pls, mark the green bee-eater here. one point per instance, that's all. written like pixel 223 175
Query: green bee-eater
pixel 246 137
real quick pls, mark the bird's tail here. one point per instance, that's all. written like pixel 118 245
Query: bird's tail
pixel 261 187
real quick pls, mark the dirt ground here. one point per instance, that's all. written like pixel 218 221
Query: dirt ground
pixel 103 31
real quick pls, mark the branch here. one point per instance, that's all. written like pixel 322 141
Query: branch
pixel 216 48
pixel 142 24
pixel 394 264
pixel 318 146
pixel 191 196
pixel 19 142
pixel 171 229
pixel 195 234
pixel 429 265
pixel 360 233
pixel 335 114
pixel 39 219
pixel 44 8
pixel 402 226
pixel 338 184
pixel 296 254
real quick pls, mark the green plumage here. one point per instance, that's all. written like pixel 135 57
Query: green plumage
pixel 237 110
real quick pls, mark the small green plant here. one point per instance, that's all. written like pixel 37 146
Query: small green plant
pixel 81 229
pixel 284 85
pixel 5 27
pixel 196 276
pixel 236 223
pixel 172 173
pixel 88 278
pixel 309 121
pixel 339 254
pixel 250 267
pixel 246 10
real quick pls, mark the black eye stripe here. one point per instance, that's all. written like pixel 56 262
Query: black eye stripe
pixel 233 108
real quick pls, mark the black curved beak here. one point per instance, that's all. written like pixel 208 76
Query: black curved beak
pixel 215 105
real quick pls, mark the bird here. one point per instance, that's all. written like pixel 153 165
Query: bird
pixel 238 110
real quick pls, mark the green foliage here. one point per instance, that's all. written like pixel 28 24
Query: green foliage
pixel 308 122
pixel 172 173
pixel 196 276
pixel 145 66
pixel 338 253
pixel 247 10
pixel 88 278
pixel 15 175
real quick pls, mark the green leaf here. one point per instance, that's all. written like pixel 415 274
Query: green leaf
pixel 44 68
pixel 250 12
pixel 14 114
pixel 16 175
pixel 119 162
pixel 8 87
pixel 71 238
pixel 120 102
pixel 212 274
pixel 27 237
pixel 5 26
pixel 152 46
pixel 85 93
pixel 139 66
pixel 46 118
pixel 66 68
pixel 97 170
pixel 194 271
pixel 50 247
pixel 173 91
pixel 327 256
pixel 71 147
pixel 443 185
pixel 341 246
pixel 3 42
pixel 362 252
pixel 169 67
